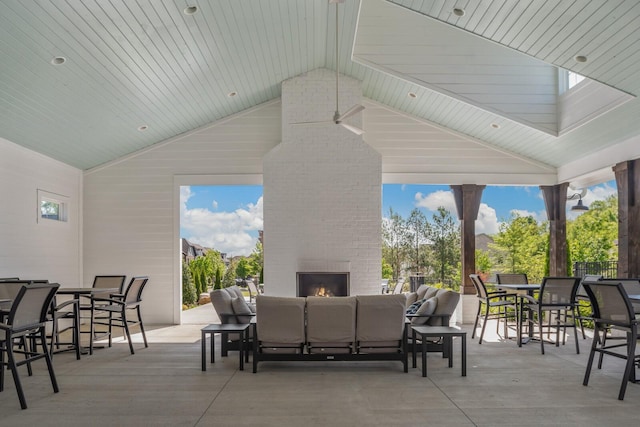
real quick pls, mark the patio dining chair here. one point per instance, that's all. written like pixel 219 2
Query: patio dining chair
pixel 613 310
pixel 557 298
pixel 501 301
pixel 27 318
pixel 124 311
pixel 253 290
pixel 92 305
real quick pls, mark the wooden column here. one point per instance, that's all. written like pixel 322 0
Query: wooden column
pixel 555 201
pixel 628 182
pixel 467 197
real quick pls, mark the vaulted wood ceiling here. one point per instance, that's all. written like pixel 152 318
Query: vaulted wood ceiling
pixel 133 63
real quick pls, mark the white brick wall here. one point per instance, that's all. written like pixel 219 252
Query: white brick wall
pixel 322 190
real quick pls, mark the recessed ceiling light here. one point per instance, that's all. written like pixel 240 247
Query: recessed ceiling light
pixel 495 125
pixel 143 128
pixel 190 10
pixel 581 58
pixel 412 95
pixel 232 94
pixel 58 60
pixel 458 11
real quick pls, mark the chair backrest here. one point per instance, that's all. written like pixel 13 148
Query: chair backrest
pixel 9 279
pixel 398 287
pixel 478 284
pixel 133 294
pixel 253 289
pixel 108 282
pixel 30 306
pixel 9 288
pixel 559 291
pixel 581 293
pixel 610 303
pixel 512 278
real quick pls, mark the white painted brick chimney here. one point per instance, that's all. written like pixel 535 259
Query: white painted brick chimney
pixel 322 191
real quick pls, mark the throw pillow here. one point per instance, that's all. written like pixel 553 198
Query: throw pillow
pixel 415 306
pixel 428 307
pixel 240 306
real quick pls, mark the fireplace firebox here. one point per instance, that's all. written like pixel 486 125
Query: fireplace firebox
pixel 322 284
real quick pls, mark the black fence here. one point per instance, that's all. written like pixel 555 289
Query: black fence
pixel 607 269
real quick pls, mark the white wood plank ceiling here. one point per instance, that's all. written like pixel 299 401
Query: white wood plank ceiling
pixel 132 63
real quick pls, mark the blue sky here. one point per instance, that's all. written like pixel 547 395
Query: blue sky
pixel 227 218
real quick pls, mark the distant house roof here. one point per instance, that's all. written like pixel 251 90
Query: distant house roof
pixel 482 241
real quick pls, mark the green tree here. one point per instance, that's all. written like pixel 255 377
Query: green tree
pixel 243 269
pixel 189 296
pixel 483 262
pixel 394 241
pixel 218 281
pixel 444 235
pixel 418 232
pixel 256 259
pixel 592 235
pixel 229 278
pixel 521 247
pixel 387 271
pixel 201 270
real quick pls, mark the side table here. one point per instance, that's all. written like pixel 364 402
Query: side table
pixel 240 328
pixel 446 332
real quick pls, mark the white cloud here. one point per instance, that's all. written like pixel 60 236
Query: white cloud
pixel 538 216
pixel 224 231
pixel 214 204
pixel 436 199
pixel 487 221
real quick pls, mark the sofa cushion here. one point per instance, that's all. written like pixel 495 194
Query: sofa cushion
pixel 380 318
pixel 235 291
pixel 427 308
pixel 221 300
pixel 241 307
pixel 280 320
pixel 411 298
pixel 421 291
pixel 447 303
pixel 331 323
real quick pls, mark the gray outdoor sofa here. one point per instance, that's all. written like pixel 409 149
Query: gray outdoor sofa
pixel 366 327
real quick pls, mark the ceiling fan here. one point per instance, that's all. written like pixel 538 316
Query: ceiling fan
pixel 337 117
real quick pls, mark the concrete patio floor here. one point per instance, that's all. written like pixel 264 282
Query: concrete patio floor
pixel 163 385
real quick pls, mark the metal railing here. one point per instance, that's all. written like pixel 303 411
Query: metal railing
pixel 608 269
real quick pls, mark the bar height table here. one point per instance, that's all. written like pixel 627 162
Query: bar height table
pixel 530 288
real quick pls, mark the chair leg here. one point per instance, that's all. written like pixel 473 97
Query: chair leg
pixel 2 351
pixel 484 323
pixel 592 353
pixel 16 377
pixel 540 327
pixel 144 335
pixel 47 358
pixel 475 324
pixel 631 351
pixel 125 322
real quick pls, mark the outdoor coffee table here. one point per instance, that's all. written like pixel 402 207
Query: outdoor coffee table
pixel 240 328
pixel 447 333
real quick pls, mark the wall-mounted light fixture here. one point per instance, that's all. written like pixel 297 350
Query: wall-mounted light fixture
pixel 578 206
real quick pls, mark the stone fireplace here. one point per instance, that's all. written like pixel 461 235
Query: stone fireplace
pixel 323 284
pixel 322 191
